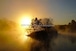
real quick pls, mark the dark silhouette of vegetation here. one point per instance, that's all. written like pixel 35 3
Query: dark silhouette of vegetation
pixel 70 27
pixel 45 35
pixel 42 23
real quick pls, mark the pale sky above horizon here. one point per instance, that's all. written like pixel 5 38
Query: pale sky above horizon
pixel 62 11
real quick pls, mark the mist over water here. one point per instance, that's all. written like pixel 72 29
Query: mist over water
pixel 10 42
pixel 15 39
pixel 61 43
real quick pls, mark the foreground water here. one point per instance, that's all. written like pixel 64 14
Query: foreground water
pixel 65 43
pixel 61 43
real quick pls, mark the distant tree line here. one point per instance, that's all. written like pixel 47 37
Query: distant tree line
pixel 70 27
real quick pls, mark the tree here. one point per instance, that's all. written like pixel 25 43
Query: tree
pixel 41 23
pixel 44 36
pixel 72 26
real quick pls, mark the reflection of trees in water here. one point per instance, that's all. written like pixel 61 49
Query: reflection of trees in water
pixel 73 39
pixel 43 40
pixel 43 36
pixel 39 47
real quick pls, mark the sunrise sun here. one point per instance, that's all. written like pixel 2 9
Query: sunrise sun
pixel 25 21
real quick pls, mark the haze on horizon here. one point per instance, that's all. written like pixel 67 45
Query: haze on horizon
pixel 62 11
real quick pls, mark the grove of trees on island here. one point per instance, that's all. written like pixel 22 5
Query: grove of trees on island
pixel 44 34
pixel 41 23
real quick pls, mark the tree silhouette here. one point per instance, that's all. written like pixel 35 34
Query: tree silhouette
pixel 42 23
pixel 44 36
pixel 72 26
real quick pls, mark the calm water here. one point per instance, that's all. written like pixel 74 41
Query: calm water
pixel 61 43
pixel 64 43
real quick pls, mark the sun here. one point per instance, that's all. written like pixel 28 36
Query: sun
pixel 25 21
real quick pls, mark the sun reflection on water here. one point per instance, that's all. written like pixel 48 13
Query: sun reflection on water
pixel 23 38
pixel 24 23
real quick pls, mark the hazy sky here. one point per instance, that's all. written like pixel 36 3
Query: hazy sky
pixel 62 11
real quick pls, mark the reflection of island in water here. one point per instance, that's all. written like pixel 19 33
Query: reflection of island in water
pixel 14 39
pixel 46 40
pixel 61 43
pixel 43 33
